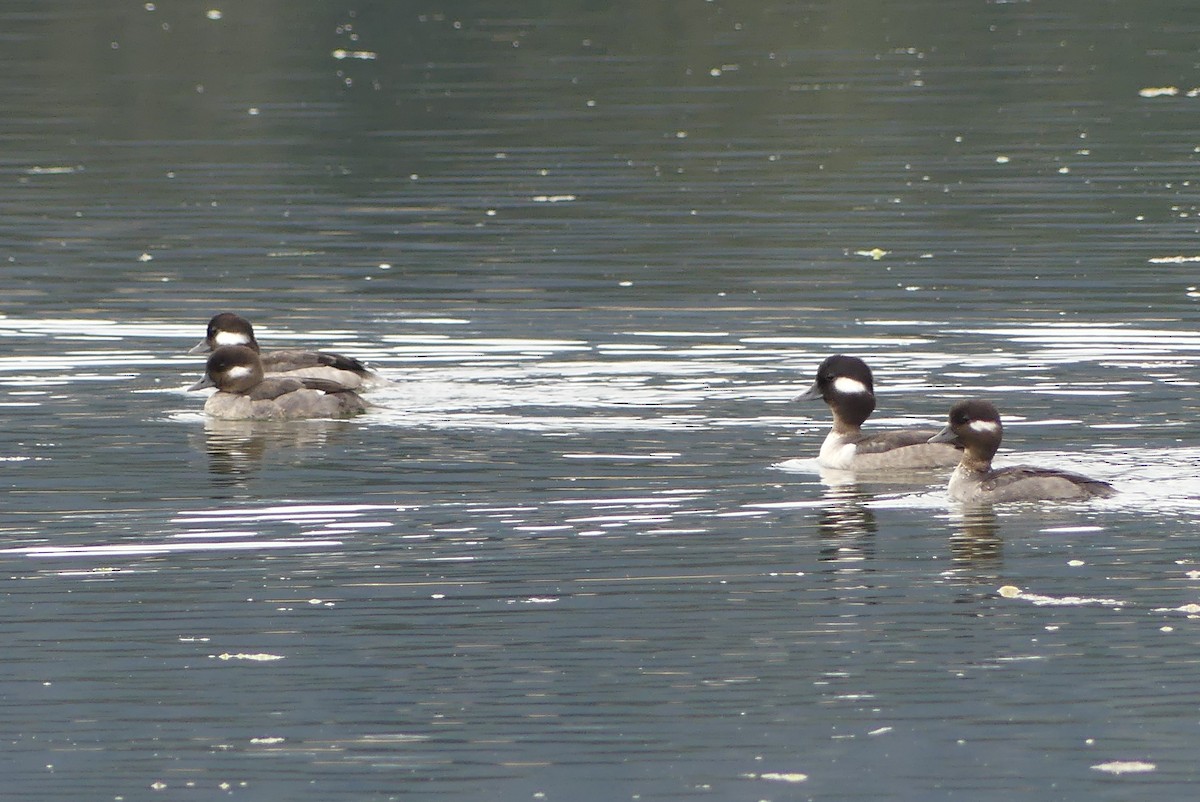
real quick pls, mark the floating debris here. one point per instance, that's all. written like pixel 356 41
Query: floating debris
pixel 261 657
pixel 1013 592
pixel 1173 260
pixel 361 55
pixel 782 777
pixel 1191 610
pixel 1159 91
pixel 874 253
pixel 54 170
pixel 1125 767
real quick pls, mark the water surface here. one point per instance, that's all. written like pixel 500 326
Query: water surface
pixel 579 549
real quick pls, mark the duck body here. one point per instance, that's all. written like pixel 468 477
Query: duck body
pixel 244 393
pixel 846 384
pixel 903 449
pixel 975 425
pixel 1024 483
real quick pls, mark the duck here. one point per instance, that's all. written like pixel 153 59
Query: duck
pixel 228 328
pixel 975 426
pixel 845 383
pixel 245 393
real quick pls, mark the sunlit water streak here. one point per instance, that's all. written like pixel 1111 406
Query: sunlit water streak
pixel 528 385
pixel 118 551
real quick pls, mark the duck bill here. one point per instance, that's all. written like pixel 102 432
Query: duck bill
pixel 811 394
pixel 200 385
pixel 946 435
pixel 200 348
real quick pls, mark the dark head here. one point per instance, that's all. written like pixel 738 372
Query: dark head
pixel 226 329
pixel 975 426
pixel 845 384
pixel 232 369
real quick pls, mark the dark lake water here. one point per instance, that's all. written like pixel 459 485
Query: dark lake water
pixel 580 550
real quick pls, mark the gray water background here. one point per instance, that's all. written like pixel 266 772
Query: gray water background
pixel 579 550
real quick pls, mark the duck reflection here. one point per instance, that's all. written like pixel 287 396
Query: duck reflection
pixel 976 540
pixel 846 522
pixel 236 448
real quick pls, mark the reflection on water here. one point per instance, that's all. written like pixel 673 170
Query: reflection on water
pixel 975 539
pixel 846 522
pixel 237 449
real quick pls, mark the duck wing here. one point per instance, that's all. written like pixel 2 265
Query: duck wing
pixel 324 385
pixel 1002 478
pixel 284 361
pixel 272 387
pixel 879 442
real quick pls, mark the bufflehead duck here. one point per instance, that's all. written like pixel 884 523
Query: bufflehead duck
pixel 244 394
pixel 975 425
pixel 846 385
pixel 230 329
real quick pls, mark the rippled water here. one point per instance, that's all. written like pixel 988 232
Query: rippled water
pixel 579 548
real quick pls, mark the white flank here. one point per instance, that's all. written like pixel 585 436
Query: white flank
pixel 238 371
pixel 836 453
pixel 230 338
pixel 848 386
pixel 983 426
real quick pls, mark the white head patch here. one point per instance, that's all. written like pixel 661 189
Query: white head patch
pixel 238 371
pixel 989 426
pixel 848 386
pixel 230 338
